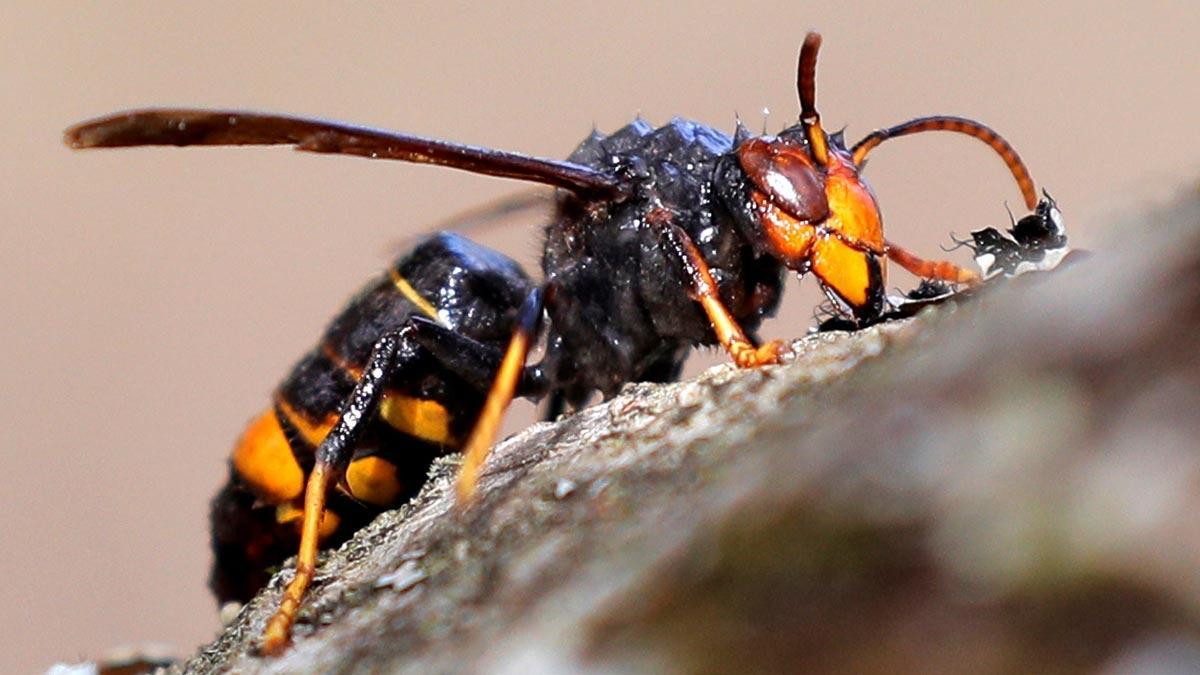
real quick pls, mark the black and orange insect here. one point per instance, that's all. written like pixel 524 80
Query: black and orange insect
pixel 661 240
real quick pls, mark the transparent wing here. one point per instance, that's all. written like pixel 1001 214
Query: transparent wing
pixel 530 208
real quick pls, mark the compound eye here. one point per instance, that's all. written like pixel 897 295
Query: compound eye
pixel 785 173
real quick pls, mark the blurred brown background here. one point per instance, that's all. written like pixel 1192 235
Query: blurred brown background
pixel 152 298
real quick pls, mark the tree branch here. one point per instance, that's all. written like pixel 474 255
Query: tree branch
pixel 1007 484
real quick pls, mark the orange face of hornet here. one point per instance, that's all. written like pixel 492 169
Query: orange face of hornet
pixel 812 211
pixel 820 218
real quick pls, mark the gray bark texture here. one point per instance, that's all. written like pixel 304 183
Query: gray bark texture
pixel 1005 484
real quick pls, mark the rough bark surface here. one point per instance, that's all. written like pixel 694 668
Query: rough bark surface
pixel 1007 484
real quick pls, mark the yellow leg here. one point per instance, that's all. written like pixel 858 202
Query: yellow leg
pixel 704 290
pixel 504 387
pixel 501 395
pixel 279 628
pixel 730 334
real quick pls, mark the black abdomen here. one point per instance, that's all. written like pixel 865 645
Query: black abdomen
pixel 426 410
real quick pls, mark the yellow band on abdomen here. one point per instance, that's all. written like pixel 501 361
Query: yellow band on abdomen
pixel 264 459
pixel 413 296
pixel 423 418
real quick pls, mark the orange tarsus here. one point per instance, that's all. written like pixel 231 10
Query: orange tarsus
pixel 729 333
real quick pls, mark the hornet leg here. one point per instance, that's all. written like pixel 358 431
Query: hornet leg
pixel 470 359
pixel 504 387
pixel 703 289
pixel 332 458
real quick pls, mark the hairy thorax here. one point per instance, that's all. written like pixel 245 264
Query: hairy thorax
pixel 623 309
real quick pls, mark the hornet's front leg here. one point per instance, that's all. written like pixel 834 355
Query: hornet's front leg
pixel 703 289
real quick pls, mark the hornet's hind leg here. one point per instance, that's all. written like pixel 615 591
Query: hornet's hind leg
pixel 503 389
pixel 474 362
pixel 332 458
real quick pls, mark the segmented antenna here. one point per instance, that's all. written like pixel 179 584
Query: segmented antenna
pixel 806 88
pixel 959 125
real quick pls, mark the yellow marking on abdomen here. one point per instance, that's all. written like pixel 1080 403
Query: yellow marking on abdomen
pixel 373 480
pixel 420 417
pixel 423 418
pixel 264 459
pixel 414 297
